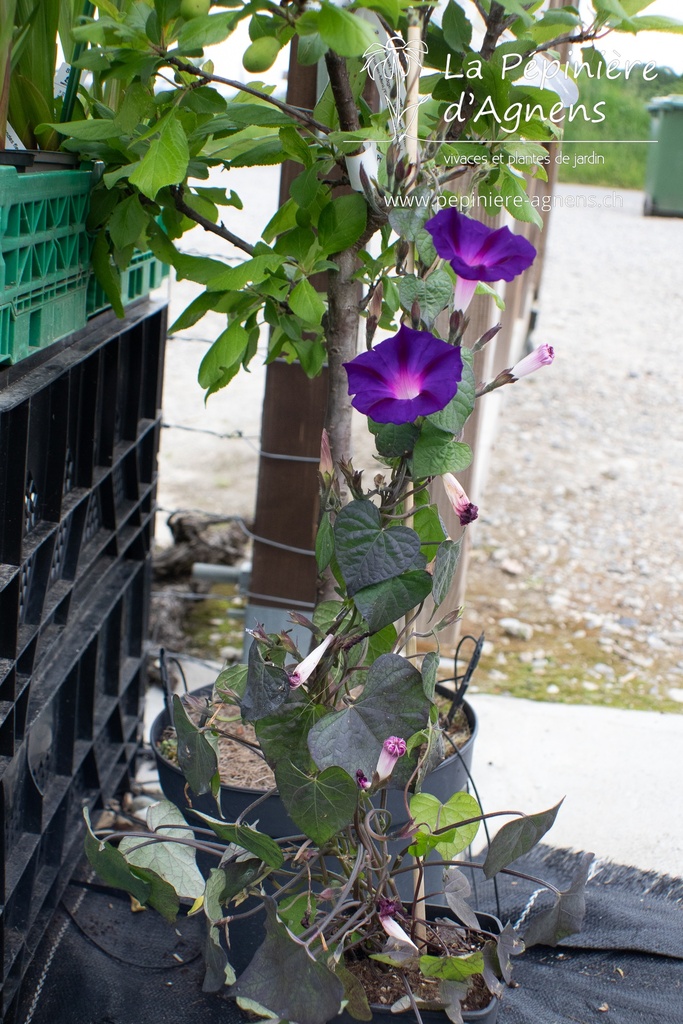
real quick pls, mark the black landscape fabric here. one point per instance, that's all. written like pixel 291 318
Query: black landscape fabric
pixel 102 964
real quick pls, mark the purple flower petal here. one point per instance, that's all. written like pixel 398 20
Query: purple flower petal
pixel 409 375
pixel 477 252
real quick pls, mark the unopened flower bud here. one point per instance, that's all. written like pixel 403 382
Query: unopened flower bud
pixel 465 510
pixel 326 464
pixel 307 667
pixel 392 748
pixel 541 356
pixel 362 780
pixel 387 911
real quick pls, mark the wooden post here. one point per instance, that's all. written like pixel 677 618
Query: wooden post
pixel 287 495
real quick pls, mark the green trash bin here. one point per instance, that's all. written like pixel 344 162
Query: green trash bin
pixel 664 175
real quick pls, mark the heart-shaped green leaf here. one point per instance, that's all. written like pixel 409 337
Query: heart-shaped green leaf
pixel 432 815
pixel 433 294
pixel 435 453
pixel 447 558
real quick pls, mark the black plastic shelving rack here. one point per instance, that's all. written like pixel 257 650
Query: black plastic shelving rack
pixel 79 435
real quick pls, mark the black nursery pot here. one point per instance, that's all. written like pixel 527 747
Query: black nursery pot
pixel 247 935
pixel 447 778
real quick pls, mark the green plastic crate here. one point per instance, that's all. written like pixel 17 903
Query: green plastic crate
pixel 44 258
pixel 42 227
pixel 143 275
pixel 41 316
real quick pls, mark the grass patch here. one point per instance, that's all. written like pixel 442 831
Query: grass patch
pixel 626 117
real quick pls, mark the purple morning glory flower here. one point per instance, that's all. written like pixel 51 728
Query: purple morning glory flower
pixel 410 374
pixel 477 252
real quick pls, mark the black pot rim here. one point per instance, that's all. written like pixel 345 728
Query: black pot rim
pixel 161 721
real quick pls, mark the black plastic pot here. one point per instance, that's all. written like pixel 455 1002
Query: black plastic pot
pixel 247 935
pixel 38 160
pixel 448 778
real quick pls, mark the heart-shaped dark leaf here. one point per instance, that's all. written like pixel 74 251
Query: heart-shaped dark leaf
pixel 566 916
pixel 456 889
pixel 260 845
pixel 409 221
pixel 283 737
pixel 508 945
pixel 447 558
pixel 267 687
pixel 357 1004
pixel 320 805
pixel 453 995
pixel 285 979
pixel 217 970
pixel 196 756
pixel 368 554
pixel 517 838
pixel 386 602
pixel 430 664
pixel 392 703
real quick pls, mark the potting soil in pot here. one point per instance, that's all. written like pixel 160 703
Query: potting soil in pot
pixel 238 765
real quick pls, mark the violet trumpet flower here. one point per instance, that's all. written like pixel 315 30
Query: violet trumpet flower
pixel 307 667
pixel 477 252
pixel 408 375
pixel 464 509
pixel 392 748
pixel 541 356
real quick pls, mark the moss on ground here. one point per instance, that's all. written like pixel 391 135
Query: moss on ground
pixel 214 626
pixel 574 670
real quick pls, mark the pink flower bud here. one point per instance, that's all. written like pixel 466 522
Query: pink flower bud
pixel 308 666
pixel 462 506
pixel 393 748
pixel 362 780
pixel 541 356
pixel 387 910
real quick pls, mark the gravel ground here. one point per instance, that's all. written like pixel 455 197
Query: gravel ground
pixel 578 558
